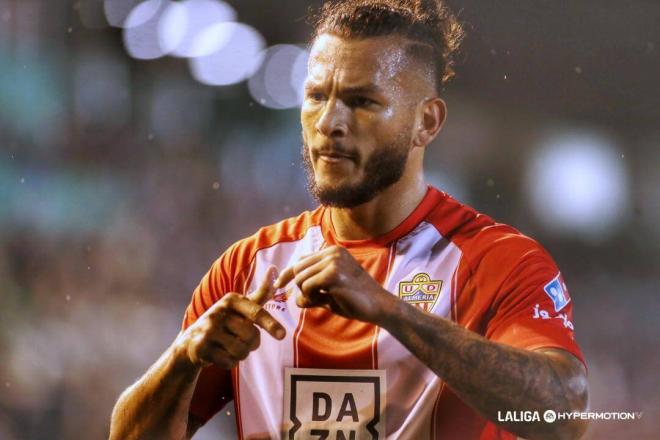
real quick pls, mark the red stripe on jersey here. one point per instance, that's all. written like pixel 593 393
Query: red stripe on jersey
pixel 331 341
pixel 327 340
pixel 237 401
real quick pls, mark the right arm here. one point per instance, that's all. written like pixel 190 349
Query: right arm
pixel 156 406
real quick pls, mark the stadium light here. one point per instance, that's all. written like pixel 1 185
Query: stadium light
pixel 182 22
pixel 141 30
pixel 235 52
pixel 116 11
pixel 267 86
pixel 577 185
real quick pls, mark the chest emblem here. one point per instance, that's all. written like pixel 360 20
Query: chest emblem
pixel 422 291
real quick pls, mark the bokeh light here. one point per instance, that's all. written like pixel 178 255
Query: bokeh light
pixel 235 52
pixel 141 37
pixel 283 61
pixel 116 11
pixel 578 185
pixel 122 180
pixel 182 22
pixel 299 74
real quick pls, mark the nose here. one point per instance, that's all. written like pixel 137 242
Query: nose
pixel 333 120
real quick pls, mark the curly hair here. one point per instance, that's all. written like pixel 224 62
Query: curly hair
pixel 432 29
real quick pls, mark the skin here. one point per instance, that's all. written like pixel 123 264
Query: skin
pixel 224 335
pixel 360 95
pixel 523 380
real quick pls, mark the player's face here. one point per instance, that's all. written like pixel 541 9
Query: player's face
pixel 357 117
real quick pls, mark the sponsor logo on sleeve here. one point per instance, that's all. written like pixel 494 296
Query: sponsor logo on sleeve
pixel 539 313
pixel 334 404
pixel 556 290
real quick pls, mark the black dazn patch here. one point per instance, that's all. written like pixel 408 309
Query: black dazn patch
pixel 328 404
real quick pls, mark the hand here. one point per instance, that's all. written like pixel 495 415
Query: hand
pixel 227 332
pixel 331 278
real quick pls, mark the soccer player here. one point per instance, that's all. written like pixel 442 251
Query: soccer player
pixel 391 310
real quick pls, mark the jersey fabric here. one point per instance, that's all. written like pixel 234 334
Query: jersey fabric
pixel 444 257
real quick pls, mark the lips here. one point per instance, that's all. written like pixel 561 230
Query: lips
pixel 336 159
pixel 334 155
pixel 332 160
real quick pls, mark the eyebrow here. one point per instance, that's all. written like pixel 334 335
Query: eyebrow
pixel 351 90
pixel 361 90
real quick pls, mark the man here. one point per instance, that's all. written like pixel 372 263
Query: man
pixel 397 312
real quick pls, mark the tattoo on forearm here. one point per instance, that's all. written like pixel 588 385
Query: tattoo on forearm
pixel 489 376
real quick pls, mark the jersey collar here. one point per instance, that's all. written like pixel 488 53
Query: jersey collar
pixel 431 199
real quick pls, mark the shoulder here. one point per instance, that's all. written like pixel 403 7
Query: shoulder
pixel 483 242
pixel 241 254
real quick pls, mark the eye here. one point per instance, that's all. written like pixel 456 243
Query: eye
pixel 315 96
pixel 361 101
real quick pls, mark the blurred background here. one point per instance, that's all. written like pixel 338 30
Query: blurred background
pixel 138 139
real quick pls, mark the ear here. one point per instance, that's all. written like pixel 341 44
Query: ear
pixel 430 118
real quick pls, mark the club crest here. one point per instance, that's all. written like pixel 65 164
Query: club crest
pixel 422 291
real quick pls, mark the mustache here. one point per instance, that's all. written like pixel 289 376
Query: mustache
pixel 335 150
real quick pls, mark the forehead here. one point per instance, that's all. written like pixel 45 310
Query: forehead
pixel 378 60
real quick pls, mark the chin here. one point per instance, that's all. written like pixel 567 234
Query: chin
pixel 334 182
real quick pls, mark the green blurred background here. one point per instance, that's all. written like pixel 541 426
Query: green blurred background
pixel 138 139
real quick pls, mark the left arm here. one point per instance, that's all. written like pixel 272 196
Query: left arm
pixel 487 375
pixel 492 377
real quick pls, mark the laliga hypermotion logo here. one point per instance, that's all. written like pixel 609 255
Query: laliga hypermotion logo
pixel 422 291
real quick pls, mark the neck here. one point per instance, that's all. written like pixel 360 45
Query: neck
pixel 382 214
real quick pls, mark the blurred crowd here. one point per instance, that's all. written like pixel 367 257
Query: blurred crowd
pixel 115 198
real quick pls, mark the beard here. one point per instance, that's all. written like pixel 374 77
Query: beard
pixel 382 169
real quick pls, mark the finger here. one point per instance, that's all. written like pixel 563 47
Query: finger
pixel 255 313
pixel 285 277
pixel 290 272
pixel 312 284
pixel 314 288
pixel 323 301
pixel 236 348
pixel 214 354
pixel 304 302
pixel 266 289
pixel 220 357
pixel 241 327
pixel 309 272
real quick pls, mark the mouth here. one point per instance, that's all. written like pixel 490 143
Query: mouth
pixel 334 156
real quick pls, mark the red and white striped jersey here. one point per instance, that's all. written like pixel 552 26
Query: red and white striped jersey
pixel 335 373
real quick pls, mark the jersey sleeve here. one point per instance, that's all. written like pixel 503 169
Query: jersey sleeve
pixel 532 308
pixel 214 385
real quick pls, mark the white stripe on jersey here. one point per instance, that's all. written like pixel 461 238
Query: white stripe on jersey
pixel 412 388
pixel 416 387
pixel 261 379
